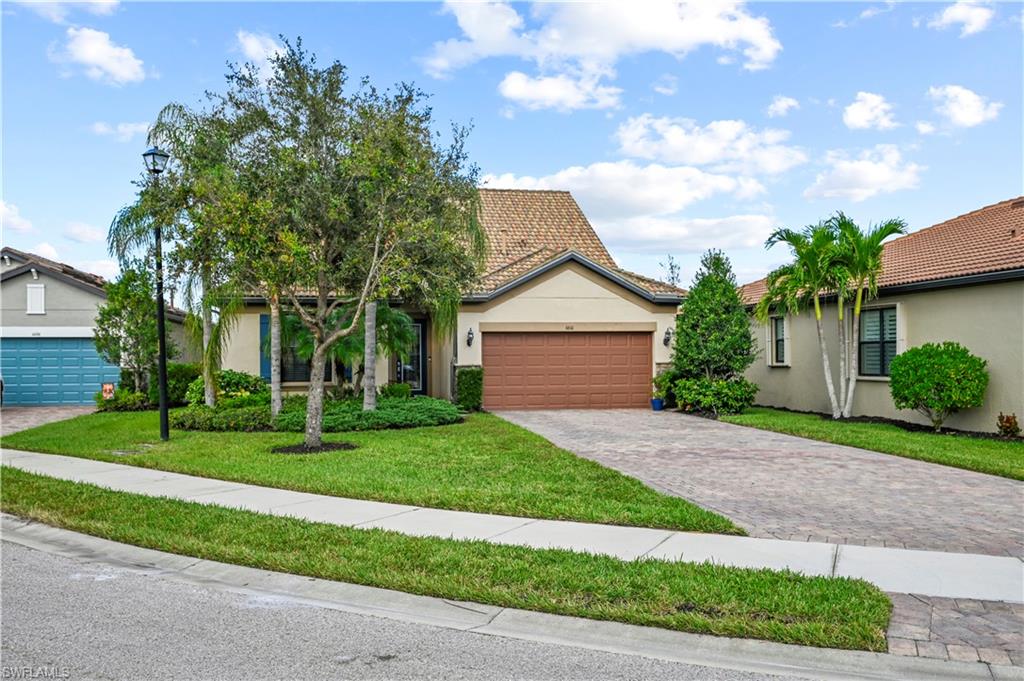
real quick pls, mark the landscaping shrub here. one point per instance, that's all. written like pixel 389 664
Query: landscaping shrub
pixel 1007 425
pixel 937 379
pixel 229 384
pixel 396 390
pixel 391 412
pixel 717 396
pixel 123 400
pixel 242 419
pixel 247 400
pixel 179 377
pixel 469 388
pixel 665 382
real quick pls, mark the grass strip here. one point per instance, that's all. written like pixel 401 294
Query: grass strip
pixel 762 604
pixel 484 465
pixel 1004 458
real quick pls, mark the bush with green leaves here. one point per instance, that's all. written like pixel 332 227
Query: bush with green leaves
pixel 229 384
pixel 240 419
pixel 179 378
pixel 469 388
pixel 261 399
pixel 665 384
pixel 124 399
pixel 715 396
pixel 391 412
pixel 937 379
pixel 395 390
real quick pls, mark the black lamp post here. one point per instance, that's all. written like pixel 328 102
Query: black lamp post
pixel 156 161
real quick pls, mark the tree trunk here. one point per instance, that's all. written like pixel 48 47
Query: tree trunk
pixel 209 380
pixel 824 360
pixel 844 355
pixel 370 358
pixel 315 399
pixel 275 355
pixel 854 358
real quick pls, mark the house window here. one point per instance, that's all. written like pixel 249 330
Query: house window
pixel 778 340
pixel 877 340
pixel 294 369
pixel 36 299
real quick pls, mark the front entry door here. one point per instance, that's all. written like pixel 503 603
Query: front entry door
pixel 413 369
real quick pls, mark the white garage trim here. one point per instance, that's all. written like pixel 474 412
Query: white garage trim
pixel 46 332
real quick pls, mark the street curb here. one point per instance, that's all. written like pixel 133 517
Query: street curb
pixel 614 637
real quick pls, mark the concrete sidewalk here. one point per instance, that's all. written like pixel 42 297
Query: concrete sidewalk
pixel 929 573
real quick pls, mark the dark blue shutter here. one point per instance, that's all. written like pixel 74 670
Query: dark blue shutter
pixel 264 347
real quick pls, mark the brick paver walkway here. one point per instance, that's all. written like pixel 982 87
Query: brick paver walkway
pixel 787 487
pixel 13 419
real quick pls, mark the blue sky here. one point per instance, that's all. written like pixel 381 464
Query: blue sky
pixel 677 128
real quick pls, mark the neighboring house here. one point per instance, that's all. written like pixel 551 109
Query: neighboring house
pixel 961 280
pixel 553 321
pixel 47 315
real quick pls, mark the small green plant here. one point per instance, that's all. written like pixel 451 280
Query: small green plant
pixel 1007 425
pixel 469 388
pixel 724 396
pixel 403 390
pixel 241 419
pixel 937 379
pixel 657 390
pixel 229 384
pixel 179 377
pixel 664 386
pixel 123 400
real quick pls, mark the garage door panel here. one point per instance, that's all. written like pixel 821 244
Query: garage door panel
pixel 40 371
pixel 566 370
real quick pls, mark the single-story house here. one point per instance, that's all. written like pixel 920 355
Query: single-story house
pixel 48 309
pixel 553 321
pixel 961 280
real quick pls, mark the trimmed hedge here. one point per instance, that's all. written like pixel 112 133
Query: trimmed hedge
pixel 179 377
pixel 469 388
pixel 937 379
pixel 396 390
pixel 726 396
pixel 241 419
pixel 229 384
pixel 123 400
pixel 391 412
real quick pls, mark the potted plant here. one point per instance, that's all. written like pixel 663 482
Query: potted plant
pixel 657 396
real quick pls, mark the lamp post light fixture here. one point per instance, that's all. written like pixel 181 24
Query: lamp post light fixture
pixel 156 161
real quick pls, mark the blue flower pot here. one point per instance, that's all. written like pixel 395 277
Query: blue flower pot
pixel 657 403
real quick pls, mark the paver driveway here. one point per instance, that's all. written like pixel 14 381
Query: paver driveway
pixel 787 487
pixel 13 419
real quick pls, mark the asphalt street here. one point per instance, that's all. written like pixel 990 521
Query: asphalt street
pixel 81 620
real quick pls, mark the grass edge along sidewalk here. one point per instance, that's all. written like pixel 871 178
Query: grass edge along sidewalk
pixel 776 606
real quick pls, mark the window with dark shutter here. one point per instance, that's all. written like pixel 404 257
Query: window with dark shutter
pixel 877 340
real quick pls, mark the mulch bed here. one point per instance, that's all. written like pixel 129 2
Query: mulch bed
pixel 303 449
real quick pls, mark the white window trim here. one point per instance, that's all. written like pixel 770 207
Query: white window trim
pixel 770 342
pixel 28 298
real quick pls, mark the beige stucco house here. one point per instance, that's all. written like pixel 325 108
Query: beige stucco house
pixel 961 280
pixel 553 321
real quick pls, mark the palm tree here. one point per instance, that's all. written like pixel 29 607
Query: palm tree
pixel 860 255
pixel 793 287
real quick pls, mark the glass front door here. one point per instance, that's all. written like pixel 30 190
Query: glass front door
pixel 411 370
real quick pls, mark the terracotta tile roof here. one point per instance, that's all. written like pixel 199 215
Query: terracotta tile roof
pixel 528 228
pixel 990 239
pixel 89 278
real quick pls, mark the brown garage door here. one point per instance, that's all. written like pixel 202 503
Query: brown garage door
pixel 566 370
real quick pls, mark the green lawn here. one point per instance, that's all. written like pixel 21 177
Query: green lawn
pixel 997 457
pixel 777 606
pixel 485 465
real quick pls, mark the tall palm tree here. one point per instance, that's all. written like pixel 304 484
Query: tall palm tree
pixel 860 255
pixel 794 287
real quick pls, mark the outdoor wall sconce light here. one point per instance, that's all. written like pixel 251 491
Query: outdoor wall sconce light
pixel 35 275
pixel 668 337
pixel 469 338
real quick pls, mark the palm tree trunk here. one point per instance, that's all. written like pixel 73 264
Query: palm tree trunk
pixel 209 380
pixel 315 399
pixel 854 357
pixel 844 354
pixel 370 358
pixel 824 360
pixel 275 355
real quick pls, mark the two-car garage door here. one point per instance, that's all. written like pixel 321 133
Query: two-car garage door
pixel 52 370
pixel 571 370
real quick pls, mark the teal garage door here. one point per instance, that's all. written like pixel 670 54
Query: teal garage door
pixel 52 370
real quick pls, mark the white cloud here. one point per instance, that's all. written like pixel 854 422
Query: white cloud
pixel 652 234
pixel 781 105
pixel 875 10
pixel 11 218
pixel 258 48
pixel 963 108
pixel 122 132
pixel 925 128
pixel 869 110
pixel 46 250
pixel 560 92
pixel 102 59
pixel 726 146
pixel 585 40
pixel 58 12
pixel 666 85
pixel 84 233
pixel 880 170
pixel 972 17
